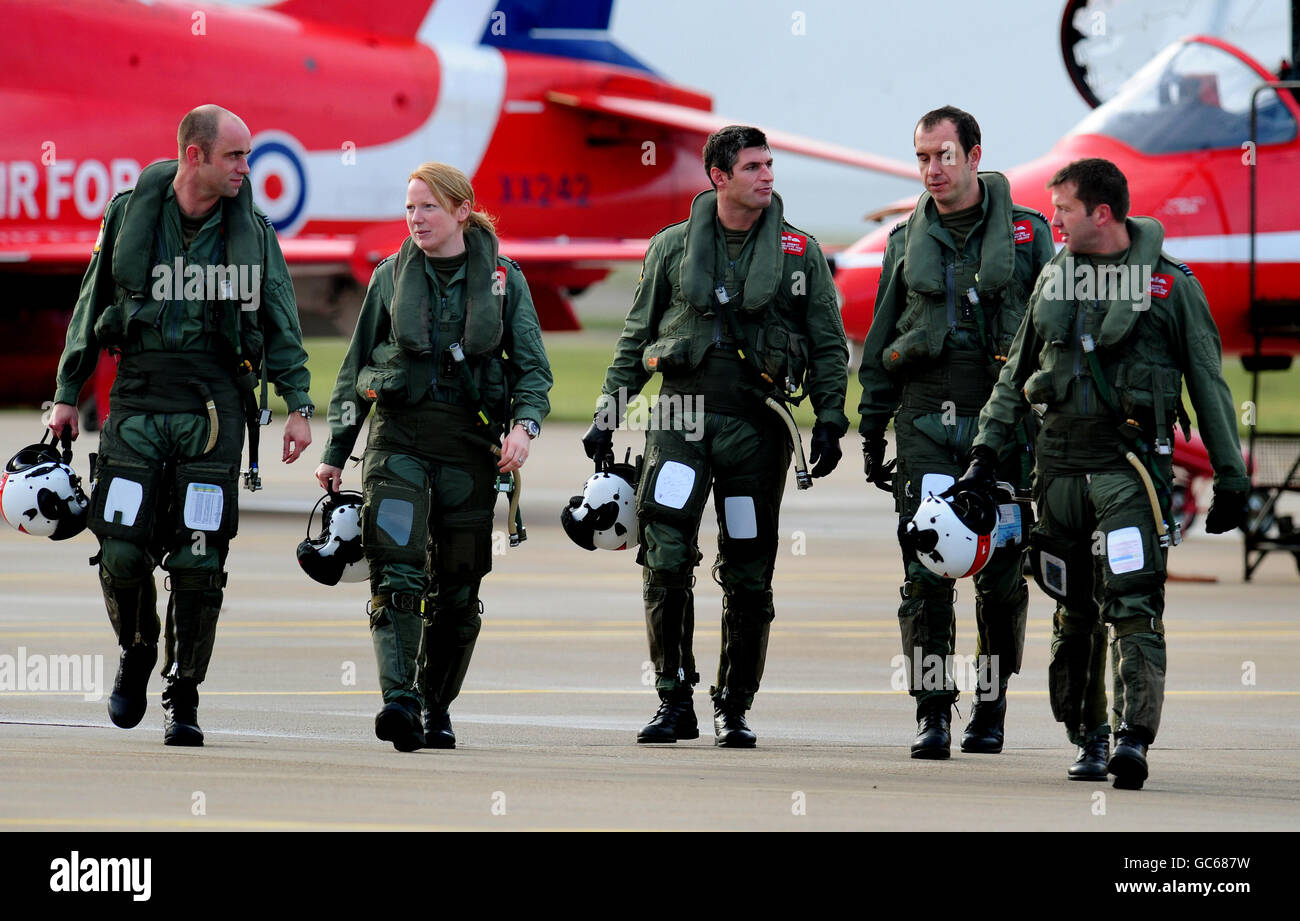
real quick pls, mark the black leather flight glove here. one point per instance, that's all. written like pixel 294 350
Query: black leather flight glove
pixel 1227 511
pixel 826 452
pixel 981 476
pixel 879 474
pixel 598 443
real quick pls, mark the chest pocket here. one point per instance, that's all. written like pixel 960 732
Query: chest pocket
pixel 386 380
pixel 782 354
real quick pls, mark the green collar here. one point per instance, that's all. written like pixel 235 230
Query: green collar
pixel 923 257
pixel 485 296
pixel 133 248
pixel 699 256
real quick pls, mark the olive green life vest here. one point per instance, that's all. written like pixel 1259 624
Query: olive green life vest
pixel 1140 375
pixel 133 258
pixel 485 298
pixel 697 279
pixel 932 311
pixel 766 310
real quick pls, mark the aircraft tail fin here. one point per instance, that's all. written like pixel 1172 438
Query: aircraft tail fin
pixel 564 28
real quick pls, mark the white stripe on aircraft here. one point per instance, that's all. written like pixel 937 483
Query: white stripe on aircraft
pixel 458 132
pixel 1279 247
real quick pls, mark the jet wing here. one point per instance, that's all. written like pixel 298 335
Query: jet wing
pixel 561 252
pixel 43 252
pixel 70 252
pixel 699 121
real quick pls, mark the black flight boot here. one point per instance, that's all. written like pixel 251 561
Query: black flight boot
pixel 729 727
pixel 674 720
pixel 437 730
pixel 180 702
pixel 984 731
pixel 1129 763
pixel 1091 761
pixel 933 739
pixel 399 722
pixel 127 703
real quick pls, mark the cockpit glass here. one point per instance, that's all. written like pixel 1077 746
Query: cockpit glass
pixel 1191 96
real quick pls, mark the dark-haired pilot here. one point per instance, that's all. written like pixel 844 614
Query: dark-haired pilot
pixel 1114 329
pixel 954 284
pixel 733 305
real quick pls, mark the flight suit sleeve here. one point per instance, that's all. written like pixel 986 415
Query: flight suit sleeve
pixel 286 360
pixel 1006 404
pixel 880 392
pixel 1200 353
pixel 81 348
pixel 530 370
pixel 347 409
pixel 653 291
pixel 1044 249
pixel 828 348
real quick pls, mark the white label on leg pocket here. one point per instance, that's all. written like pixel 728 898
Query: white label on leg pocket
pixel 203 505
pixel 1124 550
pixel 122 504
pixel 935 483
pixel 1010 530
pixel 673 488
pixel 742 523
pixel 1054 574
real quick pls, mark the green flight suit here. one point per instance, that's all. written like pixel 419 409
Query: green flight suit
pixel 930 360
pixel 718 434
pixel 429 479
pixel 165 483
pixel 1094 513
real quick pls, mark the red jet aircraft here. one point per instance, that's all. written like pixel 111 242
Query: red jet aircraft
pixel 1179 129
pixel 581 151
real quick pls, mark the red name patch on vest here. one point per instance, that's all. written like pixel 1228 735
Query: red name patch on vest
pixel 793 243
pixel 1161 285
pixel 1023 232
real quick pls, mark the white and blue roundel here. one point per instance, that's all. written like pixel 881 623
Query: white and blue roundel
pixel 279 174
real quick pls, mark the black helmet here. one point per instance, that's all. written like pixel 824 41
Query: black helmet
pixel 335 555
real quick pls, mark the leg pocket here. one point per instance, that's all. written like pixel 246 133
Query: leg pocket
pixel 394 521
pixel 123 502
pixel 674 484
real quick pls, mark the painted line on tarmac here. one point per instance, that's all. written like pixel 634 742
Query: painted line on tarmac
pixel 267 825
pixel 490 692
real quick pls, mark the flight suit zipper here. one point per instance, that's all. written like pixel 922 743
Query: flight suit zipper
pixel 1080 380
pixel 433 336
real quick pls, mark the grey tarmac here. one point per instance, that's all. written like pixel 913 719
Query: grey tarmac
pixel 546 726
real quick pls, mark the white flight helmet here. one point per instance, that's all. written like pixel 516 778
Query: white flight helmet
pixel 953 538
pixel 604 516
pixel 335 555
pixel 40 493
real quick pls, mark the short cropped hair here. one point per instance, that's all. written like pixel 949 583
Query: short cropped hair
pixel 724 146
pixel 968 130
pixel 1098 182
pixel 200 126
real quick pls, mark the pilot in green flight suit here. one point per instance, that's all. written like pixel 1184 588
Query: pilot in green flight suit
pixel 447 349
pixel 1113 330
pixel 733 304
pixel 953 288
pixel 169 455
